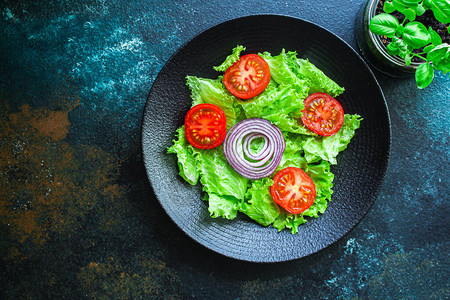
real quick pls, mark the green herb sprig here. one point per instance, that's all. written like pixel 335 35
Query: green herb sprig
pixel 411 35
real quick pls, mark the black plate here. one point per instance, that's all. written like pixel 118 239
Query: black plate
pixel 358 175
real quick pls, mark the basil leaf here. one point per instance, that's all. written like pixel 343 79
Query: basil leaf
pixel 443 64
pixel 424 75
pixel 408 59
pixel 407 7
pixel 419 9
pixel 384 24
pixel 441 10
pixel 438 53
pixel 404 53
pixel 428 48
pixel 426 4
pixel 435 37
pixel 388 7
pixel 398 4
pixel 401 45
pixel 409 13
pixel 392 49
pixel 399 31
pixel 416 35
pixel 408 3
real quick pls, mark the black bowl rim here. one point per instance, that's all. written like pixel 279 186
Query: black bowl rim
pixel 368 69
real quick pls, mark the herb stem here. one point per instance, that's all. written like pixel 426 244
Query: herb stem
pixel 419 55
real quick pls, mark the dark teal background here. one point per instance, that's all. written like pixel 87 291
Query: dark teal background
pixel 78 218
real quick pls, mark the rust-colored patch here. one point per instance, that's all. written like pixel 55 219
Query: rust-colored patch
pixel 55 125
pixel 48 186
pixel 140 277
pixel 27 225
pixel 92 265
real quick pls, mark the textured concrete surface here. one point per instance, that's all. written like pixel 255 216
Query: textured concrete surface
pixel 78 218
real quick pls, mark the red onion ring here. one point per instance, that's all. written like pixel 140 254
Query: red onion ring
pixel 239 155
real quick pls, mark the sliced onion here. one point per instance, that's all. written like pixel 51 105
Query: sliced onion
pixel 239 155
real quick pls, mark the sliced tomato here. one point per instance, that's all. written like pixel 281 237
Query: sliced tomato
pixel 247 77
pixel 323 114
pixel 293 190
pixel 205 126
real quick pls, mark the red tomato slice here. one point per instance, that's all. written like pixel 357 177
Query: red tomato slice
pixel 293 190
pixel 247 77
pixel 205 126
pixel 323 114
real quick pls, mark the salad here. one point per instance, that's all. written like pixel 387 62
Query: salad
pixel 261 138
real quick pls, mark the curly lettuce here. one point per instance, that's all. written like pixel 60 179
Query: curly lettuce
pixel 185 157
pixel 227 192
pixel 231 59
pixel 211 91
pixel 327 148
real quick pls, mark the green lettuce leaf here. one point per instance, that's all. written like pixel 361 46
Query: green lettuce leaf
pixel 293 155
pixel 185 157
pixel 231 59
pixel 259 204
pixel 320 173
pixel 327 148
pixel 279 104
pixel 222 206
pixel 323 179
pixel 289 221
pixel 281 72
pixel 217 175
pixel 204 90
pixel 315 79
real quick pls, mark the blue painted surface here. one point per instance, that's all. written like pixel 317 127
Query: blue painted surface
pixel 97 60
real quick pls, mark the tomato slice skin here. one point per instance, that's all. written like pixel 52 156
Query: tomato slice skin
pixel 293 190
pixel 247 77
pixel 323 114
pixel 205 126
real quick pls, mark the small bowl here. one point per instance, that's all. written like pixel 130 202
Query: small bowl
pixel 373 49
